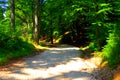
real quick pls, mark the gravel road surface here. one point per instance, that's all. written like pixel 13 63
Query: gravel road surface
pixel 56 63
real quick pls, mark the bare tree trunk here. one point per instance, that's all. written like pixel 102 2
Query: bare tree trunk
pixel 51 35
pixel 33 26
pixel 37 31
pixel 12 15
pixel 33 19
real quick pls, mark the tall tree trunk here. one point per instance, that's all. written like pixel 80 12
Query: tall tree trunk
pixel 33 19
pixel 37 30
pixel 33 26
pixel 12 15
pixel 51 35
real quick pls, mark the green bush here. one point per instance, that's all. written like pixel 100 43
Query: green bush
pixel 111 52
pixel 93 46
pixel 13 47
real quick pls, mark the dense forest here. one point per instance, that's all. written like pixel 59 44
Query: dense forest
pixel 93 23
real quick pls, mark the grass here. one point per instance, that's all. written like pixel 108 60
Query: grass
pixel 14 48
pixel 7 55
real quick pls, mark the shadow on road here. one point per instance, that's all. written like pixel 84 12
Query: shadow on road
pixel 57 63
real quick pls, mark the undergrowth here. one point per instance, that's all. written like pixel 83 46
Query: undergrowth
pixel 111 52
pixel 12 47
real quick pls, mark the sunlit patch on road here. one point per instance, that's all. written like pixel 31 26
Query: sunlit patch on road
pixel 62 63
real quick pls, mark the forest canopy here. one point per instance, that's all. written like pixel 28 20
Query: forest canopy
pixel 94 23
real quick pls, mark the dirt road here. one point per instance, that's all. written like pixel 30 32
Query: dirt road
pixel 59 63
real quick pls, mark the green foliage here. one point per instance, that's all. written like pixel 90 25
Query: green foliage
pixel 15 44
pixel 13 47
pixel 109 79
pixel 1 14
pixel 42 44
pixel 93 46
pixel 112 49
pixel 71 21
pixel 3 59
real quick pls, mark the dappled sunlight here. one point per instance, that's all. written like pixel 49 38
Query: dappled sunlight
pixel 40 47
pixel 97 62
pixel 75 65
pixel 62 63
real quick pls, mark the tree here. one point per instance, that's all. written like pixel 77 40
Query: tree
pixel 1 14
pixel 37 29
pixel 12 15
pixel 111 51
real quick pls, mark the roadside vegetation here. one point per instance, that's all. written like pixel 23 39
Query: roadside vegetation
pixel 92 23
pixel 12 47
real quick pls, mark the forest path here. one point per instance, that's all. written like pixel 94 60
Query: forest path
pixel 57 63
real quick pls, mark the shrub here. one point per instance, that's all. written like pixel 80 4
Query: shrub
pixel 93 46
pixel 13 47
pixel 111 52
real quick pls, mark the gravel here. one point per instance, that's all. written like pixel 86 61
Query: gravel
pixel 56 63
